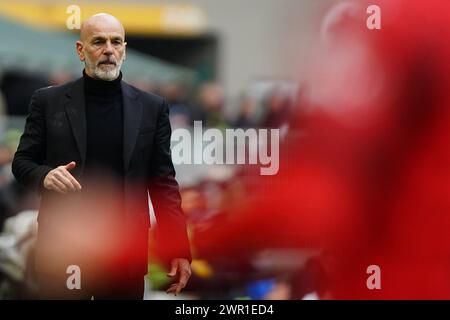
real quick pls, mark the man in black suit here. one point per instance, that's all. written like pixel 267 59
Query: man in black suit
pixel 96 149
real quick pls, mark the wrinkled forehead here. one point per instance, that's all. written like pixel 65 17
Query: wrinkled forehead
pixel 104 28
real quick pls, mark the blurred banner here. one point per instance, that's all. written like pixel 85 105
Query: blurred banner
pixel 137 18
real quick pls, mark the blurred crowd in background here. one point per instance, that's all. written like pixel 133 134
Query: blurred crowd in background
pixel 363 174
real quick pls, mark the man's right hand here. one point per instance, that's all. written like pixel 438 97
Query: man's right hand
pixel 60 179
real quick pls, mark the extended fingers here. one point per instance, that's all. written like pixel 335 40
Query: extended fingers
pixel 60 180
pixel 63 179
pixel 57 185
pixel 75 184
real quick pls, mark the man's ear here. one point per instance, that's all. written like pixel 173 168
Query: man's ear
pixel 79 46
pixel 125 51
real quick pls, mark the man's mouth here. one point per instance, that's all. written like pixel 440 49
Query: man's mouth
pixel 108 63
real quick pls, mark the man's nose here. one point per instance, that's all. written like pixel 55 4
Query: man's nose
pixel 109 48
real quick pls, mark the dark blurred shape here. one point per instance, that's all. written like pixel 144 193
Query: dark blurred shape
pixel 15 198
pixel 18 87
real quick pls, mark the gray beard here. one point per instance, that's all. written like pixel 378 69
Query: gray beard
pixel 100 74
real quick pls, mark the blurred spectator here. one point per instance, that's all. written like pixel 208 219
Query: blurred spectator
pixel 278 105
pixel 246 117
pixel 180 112
pixel 17 250
pixel 210 105
pixel 145 85
pixel 60 77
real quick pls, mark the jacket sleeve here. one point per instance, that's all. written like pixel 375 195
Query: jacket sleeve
pixel 171 233
pixel 27 165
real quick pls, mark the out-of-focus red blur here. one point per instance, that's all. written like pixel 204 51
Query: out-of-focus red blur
pixel 366 181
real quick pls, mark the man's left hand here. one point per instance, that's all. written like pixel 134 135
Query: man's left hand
pixel 182 267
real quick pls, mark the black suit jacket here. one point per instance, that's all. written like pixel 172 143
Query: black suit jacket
pixel 55 134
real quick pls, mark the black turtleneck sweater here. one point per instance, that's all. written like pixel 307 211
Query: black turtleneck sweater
pixel 104 120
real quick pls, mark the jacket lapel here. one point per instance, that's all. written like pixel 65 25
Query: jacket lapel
pixel 75 109
pixel 132 115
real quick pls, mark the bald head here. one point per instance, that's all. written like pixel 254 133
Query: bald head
pixel 101 22
pixel 102 46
